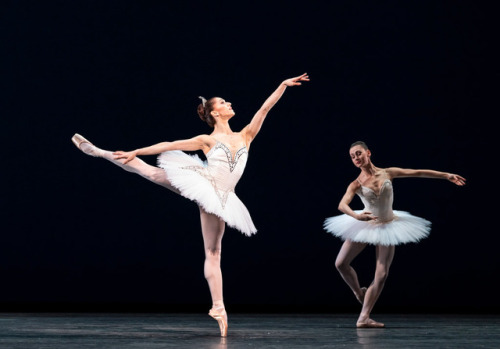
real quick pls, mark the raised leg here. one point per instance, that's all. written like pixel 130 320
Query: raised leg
pixel 385 256
pixel 152 173
pixel 213 228
pixel 347 253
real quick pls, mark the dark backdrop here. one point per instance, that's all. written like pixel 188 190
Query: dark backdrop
pixel 412 79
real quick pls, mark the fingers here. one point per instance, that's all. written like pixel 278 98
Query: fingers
pixel 458 180
pixel 303 77
pixel 367 216
pixel 127 159
pixel 118 155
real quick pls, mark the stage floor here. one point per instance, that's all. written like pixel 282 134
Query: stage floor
pixel 145 331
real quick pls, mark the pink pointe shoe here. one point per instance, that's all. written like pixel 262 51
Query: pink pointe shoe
pixel 219 314
pixel 78 140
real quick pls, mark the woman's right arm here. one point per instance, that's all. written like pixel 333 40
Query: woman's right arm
pixel 202 142
pixel 346 200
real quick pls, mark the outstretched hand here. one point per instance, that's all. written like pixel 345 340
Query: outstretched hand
pixel 296 81
pixel 127 155
pixel 458 180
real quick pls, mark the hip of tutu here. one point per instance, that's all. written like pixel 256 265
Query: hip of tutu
pixel 189 175
pixel 404 228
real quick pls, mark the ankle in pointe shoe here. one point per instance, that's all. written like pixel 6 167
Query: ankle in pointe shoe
pixel 78 140
pixel 219 314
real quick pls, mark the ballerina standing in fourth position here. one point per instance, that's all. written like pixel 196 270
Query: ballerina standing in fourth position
pixel 376 225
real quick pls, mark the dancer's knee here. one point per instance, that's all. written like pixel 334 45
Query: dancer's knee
pixel 381 276
pixel 342 265
pixel 212 263
pixel 212 254
pixel 155 175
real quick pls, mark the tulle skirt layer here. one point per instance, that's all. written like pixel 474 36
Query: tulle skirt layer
pixel 190 176
pixel 404 228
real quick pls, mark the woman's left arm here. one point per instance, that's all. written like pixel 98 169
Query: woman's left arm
pixel 395 172
pixel 251 130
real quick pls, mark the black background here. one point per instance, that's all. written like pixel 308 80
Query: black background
pixel 414 80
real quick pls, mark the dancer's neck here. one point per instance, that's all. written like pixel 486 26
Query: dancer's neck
pixel 222 126
pixel 369 170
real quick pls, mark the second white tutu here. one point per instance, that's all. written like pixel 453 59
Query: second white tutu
pixel 404 228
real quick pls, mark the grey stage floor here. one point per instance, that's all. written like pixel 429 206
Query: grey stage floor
pixel 151 331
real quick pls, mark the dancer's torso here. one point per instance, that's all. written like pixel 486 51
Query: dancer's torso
pixel 378 201
pixel 226 166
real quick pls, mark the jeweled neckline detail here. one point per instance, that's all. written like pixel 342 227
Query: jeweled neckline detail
pixel 232 160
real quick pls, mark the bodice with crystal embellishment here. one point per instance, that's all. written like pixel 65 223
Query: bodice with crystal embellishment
pixel 380 205
pixel 390 227
pixel 211 183
pixel 224 169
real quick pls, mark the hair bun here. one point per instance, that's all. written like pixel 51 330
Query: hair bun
pixel 201 112
pixel 204 111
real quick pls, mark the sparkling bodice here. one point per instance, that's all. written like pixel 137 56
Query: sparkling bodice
pixel 225 167
pixel 211 183
pixel 380 205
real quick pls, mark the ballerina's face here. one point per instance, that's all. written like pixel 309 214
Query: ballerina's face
pixel 222 109
pixel 359 156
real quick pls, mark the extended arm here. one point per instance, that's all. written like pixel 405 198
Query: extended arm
pixel 346 200
pixel 192 144
pixel 395 172
pixel 251 130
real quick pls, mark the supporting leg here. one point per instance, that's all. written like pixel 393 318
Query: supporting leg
pixel 385 256
pixel 212 228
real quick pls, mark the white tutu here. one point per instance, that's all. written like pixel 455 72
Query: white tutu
pixel 390 227
pixel 210 184
pixel 404 228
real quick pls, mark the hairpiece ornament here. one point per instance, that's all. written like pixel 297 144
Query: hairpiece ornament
pixel 203 101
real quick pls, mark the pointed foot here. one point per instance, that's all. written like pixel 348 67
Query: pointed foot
pixel 220 315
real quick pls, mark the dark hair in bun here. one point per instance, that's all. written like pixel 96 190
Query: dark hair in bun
pixel 361 143
pixel 204 110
